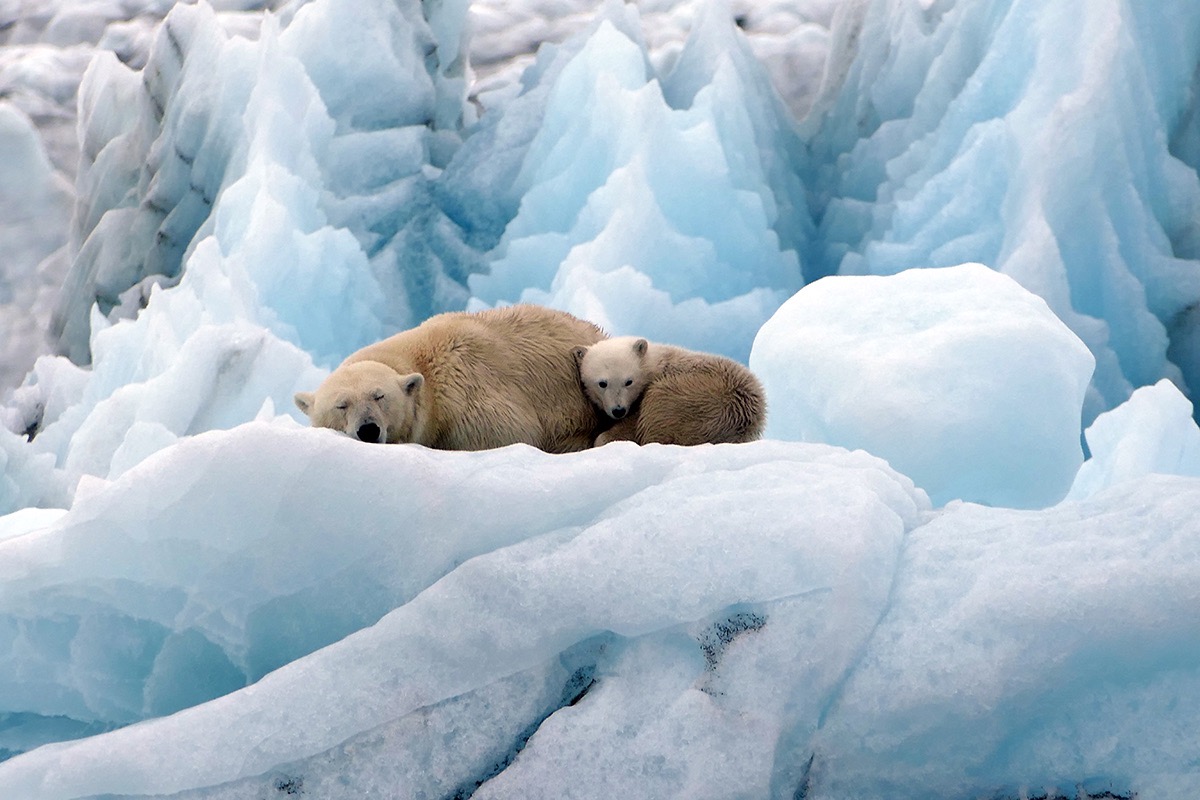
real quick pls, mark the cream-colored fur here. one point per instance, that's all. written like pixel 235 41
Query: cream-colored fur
pixel 465 381
pixel 666 394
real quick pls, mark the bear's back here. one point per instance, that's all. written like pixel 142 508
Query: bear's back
pixel 539 365
pixel 699 398
pixel 498 377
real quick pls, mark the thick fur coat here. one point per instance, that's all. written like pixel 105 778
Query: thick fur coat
pixel 466 381
pixel 666 394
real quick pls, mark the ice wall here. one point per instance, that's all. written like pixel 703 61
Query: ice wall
pixel 381 92
pixel 260 204
pixel 663 206
pixel 1055 142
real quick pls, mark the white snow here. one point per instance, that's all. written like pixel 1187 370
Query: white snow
pixel 200 598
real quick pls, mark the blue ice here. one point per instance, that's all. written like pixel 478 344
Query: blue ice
pixel 915 586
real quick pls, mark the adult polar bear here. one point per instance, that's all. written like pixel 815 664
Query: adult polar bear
pixel 668 395
pixel 465 381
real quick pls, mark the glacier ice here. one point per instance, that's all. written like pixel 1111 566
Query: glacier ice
pixel 212 560
pixel 1031 654
pixel 668 208
pixel 259 193
pixel 1151 432
pixel 163 149
pixel 35 207
pixel 226 210
pixel 960 378
pixel 1056 143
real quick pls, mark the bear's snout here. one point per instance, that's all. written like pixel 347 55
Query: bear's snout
pixel 618 412
pixel 369 432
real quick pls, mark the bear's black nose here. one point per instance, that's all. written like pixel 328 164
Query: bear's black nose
pixel 618 412
pixel 368 432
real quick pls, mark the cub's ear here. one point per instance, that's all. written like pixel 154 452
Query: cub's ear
pixel 640 346
pixel 304 402
pixel 578 353
pixel 409 384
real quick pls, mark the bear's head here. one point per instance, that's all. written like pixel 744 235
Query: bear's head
pixel 613 373
pixel 368 401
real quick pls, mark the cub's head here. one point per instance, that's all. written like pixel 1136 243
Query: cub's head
pixel 368 401
pixel 613 373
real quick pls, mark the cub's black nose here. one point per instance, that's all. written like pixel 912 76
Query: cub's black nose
pixel 368 432
pixel 618 412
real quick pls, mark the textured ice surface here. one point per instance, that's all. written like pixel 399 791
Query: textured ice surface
pixel 35 207
pixel 1055 142
pixel 1151 432
pixel 790 37
pixel 238 552
pixel 960 378
pixel 779 619
pixel 843 645
pixel 254 210
pixel 1027 652
pixel 668 208
pixel 330 123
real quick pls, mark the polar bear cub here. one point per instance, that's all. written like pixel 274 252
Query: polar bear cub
pixel 666 394
pixel 465 381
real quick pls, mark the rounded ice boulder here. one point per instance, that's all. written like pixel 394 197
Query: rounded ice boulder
pixel 959 377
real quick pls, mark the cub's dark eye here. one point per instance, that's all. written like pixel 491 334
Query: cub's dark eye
pixel 603 384
pixel 629 381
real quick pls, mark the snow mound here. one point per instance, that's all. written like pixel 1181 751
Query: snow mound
pixel 960 378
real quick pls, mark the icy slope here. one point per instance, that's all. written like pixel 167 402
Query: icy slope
pixel 1024 651
pixel 251 566
pixel 1011 646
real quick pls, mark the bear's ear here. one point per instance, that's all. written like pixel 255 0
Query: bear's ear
pixel 640 346
pixel 304 402
pixel 410 383
pixel 578 353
